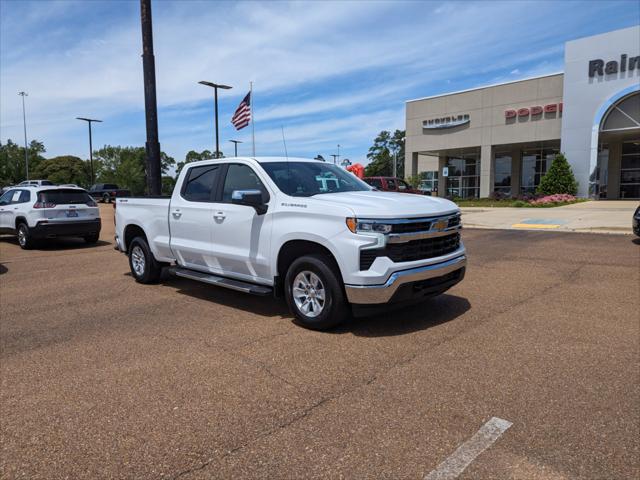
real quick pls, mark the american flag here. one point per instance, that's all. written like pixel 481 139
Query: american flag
pixel 242 117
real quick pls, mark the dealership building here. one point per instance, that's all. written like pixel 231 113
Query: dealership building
pixel 502 138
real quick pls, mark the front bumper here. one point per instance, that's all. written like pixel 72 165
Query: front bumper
pixel 415 277
pixel 65 229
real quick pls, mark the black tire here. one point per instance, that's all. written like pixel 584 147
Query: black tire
pixel 25 240
pixel 92 238
pixel 334 309
pixel 106 198
pixel 151 269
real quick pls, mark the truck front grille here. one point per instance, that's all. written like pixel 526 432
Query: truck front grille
pixel 410 251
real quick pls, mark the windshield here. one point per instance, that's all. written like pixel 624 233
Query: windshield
pixel 304 179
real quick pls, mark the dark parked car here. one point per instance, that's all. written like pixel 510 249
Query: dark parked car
pixel 636 221
pixel 107 192
pixel 391 184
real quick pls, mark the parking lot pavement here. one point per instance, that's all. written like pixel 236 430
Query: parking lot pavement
pixel 101 377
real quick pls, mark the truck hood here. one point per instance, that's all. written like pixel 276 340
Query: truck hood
pixel 373 204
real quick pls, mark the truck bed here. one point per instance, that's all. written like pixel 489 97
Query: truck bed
pixel 152 215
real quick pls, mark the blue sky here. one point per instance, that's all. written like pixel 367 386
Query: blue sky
pixel 328 72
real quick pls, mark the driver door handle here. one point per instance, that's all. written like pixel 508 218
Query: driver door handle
pixel 176 213
pixel 219 215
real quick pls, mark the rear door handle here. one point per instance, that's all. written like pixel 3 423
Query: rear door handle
pixel 176 214
pixel 219 215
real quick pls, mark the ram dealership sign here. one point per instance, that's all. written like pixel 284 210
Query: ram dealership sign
pixel 599 67
pixel 449 121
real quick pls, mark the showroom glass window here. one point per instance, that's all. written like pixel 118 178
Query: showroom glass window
pixel 429 182
pixel 535 163
pixel 502 176
pixel 630 170
pixel 464 176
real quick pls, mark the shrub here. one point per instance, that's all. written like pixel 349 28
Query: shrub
pixel 520 203
pixel 559 178
pixel 553 200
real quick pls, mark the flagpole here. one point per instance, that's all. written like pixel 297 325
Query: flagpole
pixel 253 120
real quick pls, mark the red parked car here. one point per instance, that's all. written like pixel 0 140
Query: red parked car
pixel 391 184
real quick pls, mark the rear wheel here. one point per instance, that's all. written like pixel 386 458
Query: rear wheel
pixel 314 293
pixel 24 237
pixel 144 267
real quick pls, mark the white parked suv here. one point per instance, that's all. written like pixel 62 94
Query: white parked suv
pixel 34 213
pixel 305 229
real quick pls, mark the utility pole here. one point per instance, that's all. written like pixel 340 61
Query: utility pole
pixel 24 121
pixel 154 182
pixel 235 146
pixel 89 121
pixel 215 87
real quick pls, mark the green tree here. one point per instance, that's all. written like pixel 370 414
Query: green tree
pixel 64 169
pixel 381 154
pixel 193 156
pixel 12 163
pixel 559 178
pixel 168 182
pixel 125 166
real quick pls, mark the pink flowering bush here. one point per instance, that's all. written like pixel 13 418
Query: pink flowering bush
pixel 552 200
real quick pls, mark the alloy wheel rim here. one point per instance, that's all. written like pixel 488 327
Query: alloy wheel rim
pixel 138 260
pixel 22 236
pixel 309 293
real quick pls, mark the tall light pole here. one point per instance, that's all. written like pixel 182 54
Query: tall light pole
pixel 334 158
pixel 154 180
pixel 215 87
pixel 235 146
pixel 90 121
pixel 24 121
pixel 338 153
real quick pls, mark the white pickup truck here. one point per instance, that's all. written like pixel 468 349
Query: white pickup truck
pixel 305 229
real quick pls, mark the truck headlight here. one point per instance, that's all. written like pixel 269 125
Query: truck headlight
pixel 368 226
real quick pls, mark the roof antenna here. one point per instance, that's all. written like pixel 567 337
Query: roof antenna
pixel 285 143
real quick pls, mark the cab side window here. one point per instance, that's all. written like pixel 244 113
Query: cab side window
pixel 391 184
pixel 200 183
pixel 375 183
pixel 242 177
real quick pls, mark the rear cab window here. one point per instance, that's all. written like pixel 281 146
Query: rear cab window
pixel 200 183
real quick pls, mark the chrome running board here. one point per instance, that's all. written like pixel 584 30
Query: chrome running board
pixel 230 283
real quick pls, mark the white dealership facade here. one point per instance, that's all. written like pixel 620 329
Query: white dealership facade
pixel 502 138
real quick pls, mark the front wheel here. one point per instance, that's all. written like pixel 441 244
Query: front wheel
pixel 143 265
pixel 314 293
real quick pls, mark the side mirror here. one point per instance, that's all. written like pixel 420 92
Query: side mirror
pixel 250 198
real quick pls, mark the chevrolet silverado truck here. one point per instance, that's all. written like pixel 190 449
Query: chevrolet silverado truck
pixel 303 229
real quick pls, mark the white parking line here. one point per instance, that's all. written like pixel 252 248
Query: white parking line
pixel 466 453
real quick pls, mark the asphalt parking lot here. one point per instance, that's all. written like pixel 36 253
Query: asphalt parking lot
pixel 105 378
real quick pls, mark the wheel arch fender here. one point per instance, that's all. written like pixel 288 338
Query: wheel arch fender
pixel 295 246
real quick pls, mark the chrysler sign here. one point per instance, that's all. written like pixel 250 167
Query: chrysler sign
pixel 449 121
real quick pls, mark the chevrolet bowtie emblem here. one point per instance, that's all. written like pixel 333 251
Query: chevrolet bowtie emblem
pixel 440 225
